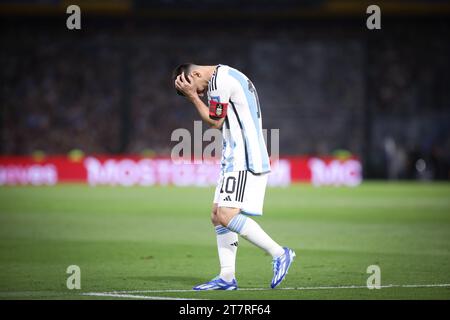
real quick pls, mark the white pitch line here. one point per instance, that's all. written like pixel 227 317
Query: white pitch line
pixel 296 288
pixel 132 296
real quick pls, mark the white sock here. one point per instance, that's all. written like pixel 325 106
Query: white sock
pixel 249 229
pixel 227 242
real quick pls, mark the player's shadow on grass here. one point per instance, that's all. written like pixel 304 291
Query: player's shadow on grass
pixel 183 280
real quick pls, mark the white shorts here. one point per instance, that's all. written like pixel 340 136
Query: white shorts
pixel 241 189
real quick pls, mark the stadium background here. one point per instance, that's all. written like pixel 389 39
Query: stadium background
pixel 335 89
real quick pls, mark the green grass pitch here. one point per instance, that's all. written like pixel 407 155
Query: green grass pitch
pixel 160 239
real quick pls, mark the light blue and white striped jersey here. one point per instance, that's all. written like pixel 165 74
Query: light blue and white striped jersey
pixel 244 147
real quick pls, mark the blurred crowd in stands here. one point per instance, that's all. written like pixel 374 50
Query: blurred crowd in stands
pixel 385 98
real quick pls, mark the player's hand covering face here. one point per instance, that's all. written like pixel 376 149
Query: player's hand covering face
pixel 186 85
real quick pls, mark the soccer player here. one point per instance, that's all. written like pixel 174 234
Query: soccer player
pixel 234 107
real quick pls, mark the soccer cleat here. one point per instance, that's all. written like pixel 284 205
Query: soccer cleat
pixel 217 284
pixel 281 266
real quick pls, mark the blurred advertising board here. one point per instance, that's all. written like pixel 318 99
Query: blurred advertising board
pixel 141 171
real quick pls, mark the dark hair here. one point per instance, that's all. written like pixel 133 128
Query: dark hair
pixel 186 68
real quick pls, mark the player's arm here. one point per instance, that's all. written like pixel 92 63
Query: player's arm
pixel 190 92
pixel 204 112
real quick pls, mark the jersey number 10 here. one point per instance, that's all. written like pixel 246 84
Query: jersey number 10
pixel 252 89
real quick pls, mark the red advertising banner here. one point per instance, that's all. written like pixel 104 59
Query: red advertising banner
pixel 135 170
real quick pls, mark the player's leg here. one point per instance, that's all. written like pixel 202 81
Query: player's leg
pixel 249 229
pixel 245 194
pixel 227 243
pixel 243 191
